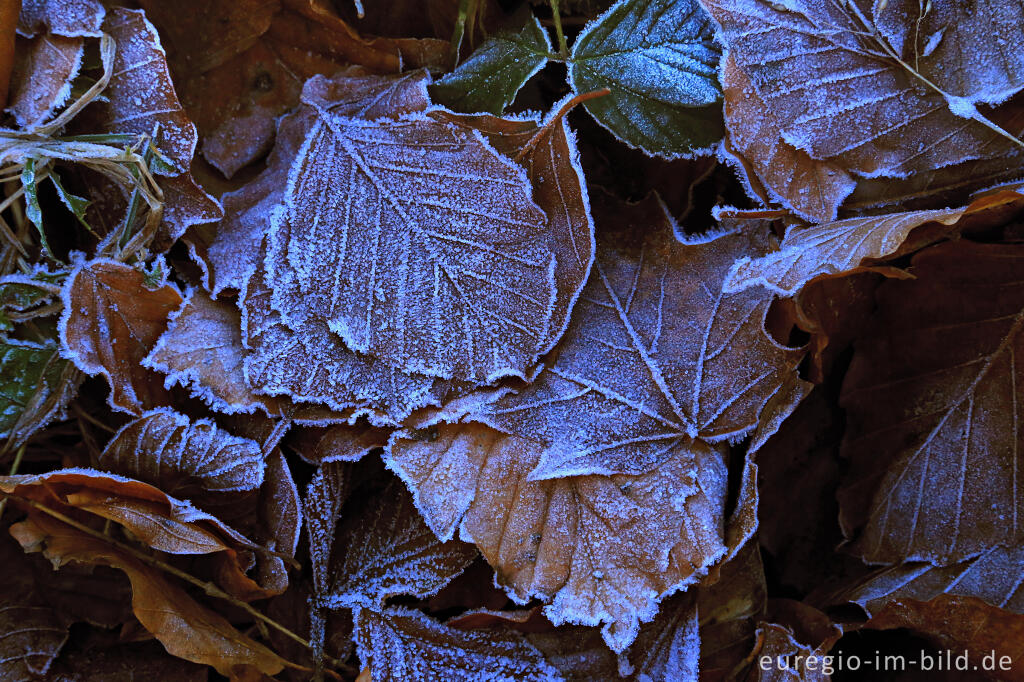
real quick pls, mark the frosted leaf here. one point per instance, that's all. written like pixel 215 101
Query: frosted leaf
pixel 933 399
pixel 389 552
pixel 312 364
pixel 836 92
pixel 786 654
pixel 41 80
pixel 68 18
pixel 353 92
pixel 186 458
pixel 402 645
pixel 31 635
pixel 660 60
pixel 597 549
pixel 993 577
pixel 433 259
pixel 655 354
pixel 497 69
pixel 832 249
pixel 202 350
pixel 110 322
pixel 789 176
pixel 185 204
pixel 140 96
pixel 552 163
pixel 325 496
pixel 971 51
pixel 278 523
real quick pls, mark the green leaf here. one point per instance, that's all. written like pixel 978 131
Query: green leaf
pixel 32 208
pixel 75 203
pixel 27 370
pixel 489 80
pixel 660 61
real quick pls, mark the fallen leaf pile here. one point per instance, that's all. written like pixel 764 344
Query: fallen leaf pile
pixel 654 340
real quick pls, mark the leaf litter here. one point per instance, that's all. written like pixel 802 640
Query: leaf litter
pixel 418 369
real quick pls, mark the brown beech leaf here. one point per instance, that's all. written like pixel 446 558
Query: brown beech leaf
pixel 599 549
pixel 111 321
pixel 834 81
pixel 655 353
pixel 278 523
pixel 933 405
pixel 189 459
pixel 843 246
pixel 390 551
pixel 311 364
pixel 400 644
pixel 353 92
pixel 153 517
pixel 992 577
pixel 962 625
pixel 775 169
pixel 436 226
pixel 728 609
pixel 185 628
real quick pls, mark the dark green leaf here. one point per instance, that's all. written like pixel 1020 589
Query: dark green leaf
pixel 489 80
pixel 27 370
pixel 75 203
pixel 32 208
pixel 660 61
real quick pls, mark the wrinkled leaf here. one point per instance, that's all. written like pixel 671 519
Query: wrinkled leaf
pixel 933 405
pixel 660 61
pixel 600 549
pixel 494 73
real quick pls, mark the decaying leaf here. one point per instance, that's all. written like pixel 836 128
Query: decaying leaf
pixel 600 549
pixel 111 321
pixel 660 61
pixel 69 18
pixel 655 354
pixel 185 628
pixel 41 82
pixel 933 407
pixel 843 246
pixel 390 551
pixel 462 248
pixel 400 644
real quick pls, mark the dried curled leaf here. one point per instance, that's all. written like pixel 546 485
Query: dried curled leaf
pixel 933 410
pixel 599 549
pixel 842 246
pixel 838 88
pixel 400 644
pixel 655 354
pixel 435 225
pixel 185 628
pixel 186 458
pixel 111 321
pixel 389 552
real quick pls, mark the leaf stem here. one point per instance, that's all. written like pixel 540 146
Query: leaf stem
pixel 208 588
pixel 556 18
